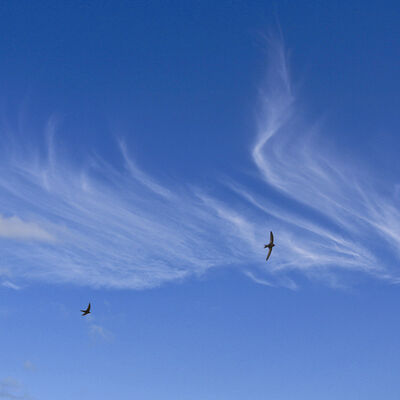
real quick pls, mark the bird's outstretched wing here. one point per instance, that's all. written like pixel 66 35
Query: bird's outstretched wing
pixel 87 310
pixel 271 237
pixel 269 253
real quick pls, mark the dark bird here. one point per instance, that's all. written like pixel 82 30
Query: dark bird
pixel 87 311
pixel 270 245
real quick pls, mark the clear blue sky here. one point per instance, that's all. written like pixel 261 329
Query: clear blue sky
pixel 148 148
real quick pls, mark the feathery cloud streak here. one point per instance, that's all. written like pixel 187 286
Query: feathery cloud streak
pixel 108 227
pixel 330 212
pixel 113 228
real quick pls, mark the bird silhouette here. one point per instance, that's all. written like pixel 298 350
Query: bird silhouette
pixel 270 245
pixel 87 311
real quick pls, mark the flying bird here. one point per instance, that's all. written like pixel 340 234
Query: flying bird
pixel 270 245
pixel 87 311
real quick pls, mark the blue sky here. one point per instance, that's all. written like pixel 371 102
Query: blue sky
pixel 147 151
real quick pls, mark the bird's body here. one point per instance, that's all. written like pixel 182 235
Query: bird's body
pixel 270 245
pixel 87 311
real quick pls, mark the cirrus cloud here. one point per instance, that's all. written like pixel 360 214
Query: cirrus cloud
pixel 122 228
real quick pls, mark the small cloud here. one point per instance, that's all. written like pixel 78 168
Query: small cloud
pixel 99 331
pixel 29 366
pixel 11 389
pixel 257 280
pixel 15 228
pixel 10 285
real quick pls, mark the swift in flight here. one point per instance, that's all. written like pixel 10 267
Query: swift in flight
pixel 270 245
pixel 87 311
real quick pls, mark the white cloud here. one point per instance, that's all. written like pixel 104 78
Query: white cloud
pixel 11 389
pixel 125 229
pixel 29 366
pixel 10 285
pixel 99 331
pixel 140 176
pixel 328 211
pixel 260 281
pixel 14 228
pixel 114 228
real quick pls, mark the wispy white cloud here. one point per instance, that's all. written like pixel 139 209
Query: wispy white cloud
pixel 114 228
pixel 96 330
pixel 99 331
pixel 10 285
pixel 328 212
pixel 140 176
pixel 260 281
pixel 122 228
